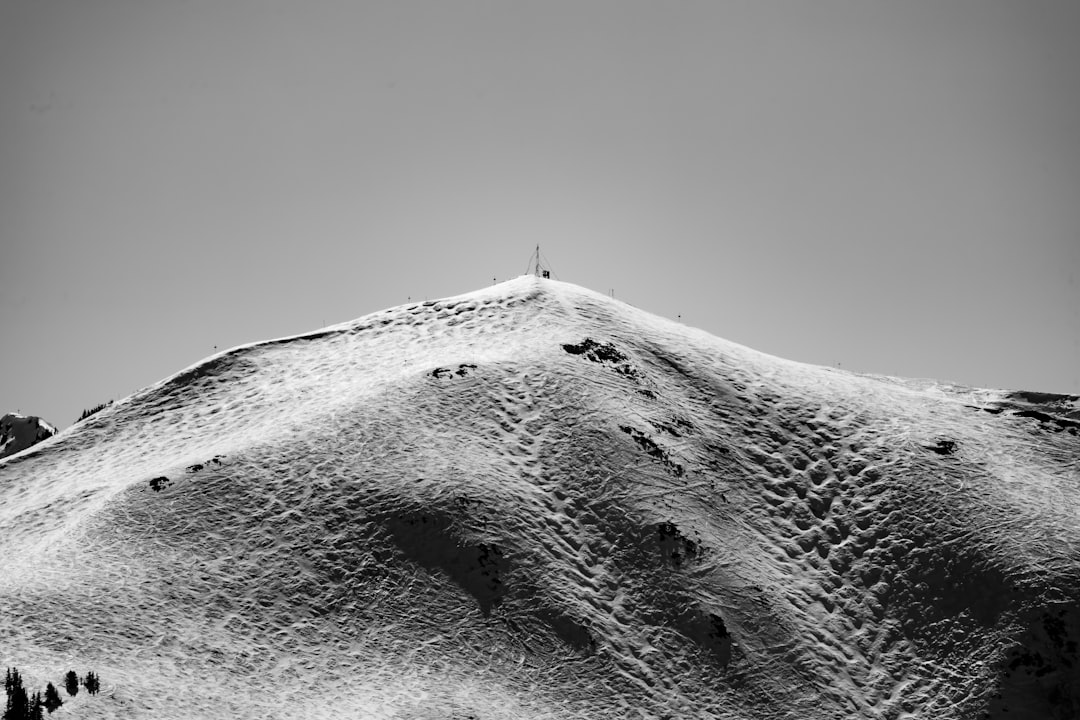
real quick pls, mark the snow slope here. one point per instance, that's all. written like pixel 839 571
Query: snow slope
pixel 534 501
pixel 18 432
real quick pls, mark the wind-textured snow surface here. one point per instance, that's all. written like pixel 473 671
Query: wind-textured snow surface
pixel 534 501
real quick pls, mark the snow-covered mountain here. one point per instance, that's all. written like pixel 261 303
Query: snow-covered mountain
pixel 18 432
pixel 534 501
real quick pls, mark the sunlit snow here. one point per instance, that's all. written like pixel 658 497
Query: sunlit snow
pixel 535 501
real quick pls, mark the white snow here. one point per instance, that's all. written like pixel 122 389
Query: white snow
pixel 461 508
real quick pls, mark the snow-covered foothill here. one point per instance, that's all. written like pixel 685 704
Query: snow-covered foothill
pixel 535 501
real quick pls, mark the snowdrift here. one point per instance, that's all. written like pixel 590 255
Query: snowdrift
pixel 534 501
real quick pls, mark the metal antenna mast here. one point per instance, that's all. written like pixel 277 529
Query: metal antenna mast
pixel 537 269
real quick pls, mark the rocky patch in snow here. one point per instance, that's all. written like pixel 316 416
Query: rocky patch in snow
pixel 604 353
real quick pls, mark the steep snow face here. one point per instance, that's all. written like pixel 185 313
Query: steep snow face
pixel 18 432
pixel 534 501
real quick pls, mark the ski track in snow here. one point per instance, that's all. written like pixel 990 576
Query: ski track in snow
pixel 533 501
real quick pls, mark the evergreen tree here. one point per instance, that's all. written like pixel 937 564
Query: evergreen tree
pixel 52 698
pixel 71 683
pixel 91 683
pixel 18 705
pixel 35 707
pixel 11 681
pixel 97 408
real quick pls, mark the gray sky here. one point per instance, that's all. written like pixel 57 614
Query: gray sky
pixel 892 186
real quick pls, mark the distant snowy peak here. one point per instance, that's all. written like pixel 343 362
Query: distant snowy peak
pixel 18 432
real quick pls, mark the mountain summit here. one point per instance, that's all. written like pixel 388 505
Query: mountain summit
pixel 535 501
